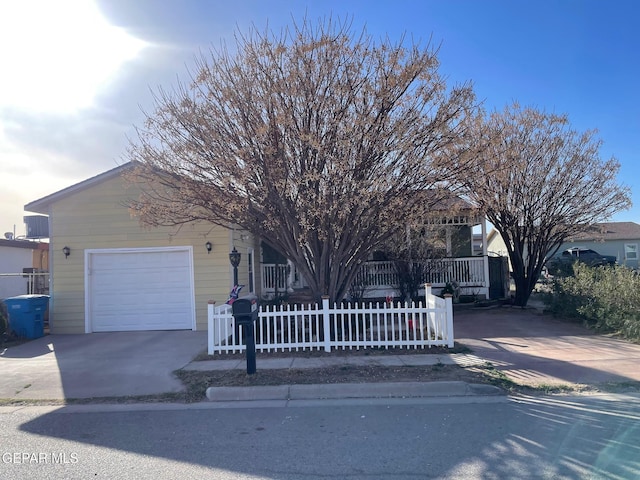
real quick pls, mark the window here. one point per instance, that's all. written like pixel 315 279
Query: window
pixel 631 251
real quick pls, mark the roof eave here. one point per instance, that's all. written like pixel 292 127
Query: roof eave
pixel 42 205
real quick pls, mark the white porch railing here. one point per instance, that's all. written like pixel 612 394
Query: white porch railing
pixel 326 327
pixel 275 277
pixel 380 277
pixel 467 272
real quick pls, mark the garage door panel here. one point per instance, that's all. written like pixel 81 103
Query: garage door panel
pixel 141 290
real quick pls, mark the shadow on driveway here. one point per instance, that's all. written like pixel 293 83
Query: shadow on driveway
pixel 532 348
pixel 98 364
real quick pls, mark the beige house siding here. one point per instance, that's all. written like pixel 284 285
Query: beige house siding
pixel 496 245
pixel 96 218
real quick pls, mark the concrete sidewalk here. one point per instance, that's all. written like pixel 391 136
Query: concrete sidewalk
pixel 528 347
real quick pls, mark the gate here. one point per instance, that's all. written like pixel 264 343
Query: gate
pixel 498 272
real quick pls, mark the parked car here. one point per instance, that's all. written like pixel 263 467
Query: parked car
pixel 562 263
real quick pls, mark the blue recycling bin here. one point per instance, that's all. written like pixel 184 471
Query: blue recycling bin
pixel 26 314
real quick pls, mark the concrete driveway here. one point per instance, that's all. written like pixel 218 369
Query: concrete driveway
pixel 533 349
pixel 529 347
pixel 98 364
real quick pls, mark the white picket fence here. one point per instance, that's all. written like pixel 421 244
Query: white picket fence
pixel 326 327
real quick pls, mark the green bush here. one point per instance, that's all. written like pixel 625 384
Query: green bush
pixel 606 298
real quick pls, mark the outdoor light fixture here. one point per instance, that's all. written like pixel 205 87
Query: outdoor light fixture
pixel 66 250
pixel 234 258
pixel 208 246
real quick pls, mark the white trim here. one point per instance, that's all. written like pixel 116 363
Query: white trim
pixel 87 264
pixel 251 269
pixel 229 248
pixel 51 267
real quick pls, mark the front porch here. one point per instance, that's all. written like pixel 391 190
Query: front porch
pixel 380 279
pixel 456 256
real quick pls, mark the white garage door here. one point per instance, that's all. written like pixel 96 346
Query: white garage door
pixel 140 289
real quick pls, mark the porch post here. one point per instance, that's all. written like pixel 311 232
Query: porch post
pixel 483 225
pixel 427 293
pixel 449 307
pixel 210 306
pixel 485 256
pixel 292 276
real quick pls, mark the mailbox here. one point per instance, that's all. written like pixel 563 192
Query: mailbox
pixel 245 313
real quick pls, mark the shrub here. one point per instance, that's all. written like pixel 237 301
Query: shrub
pixel 607 298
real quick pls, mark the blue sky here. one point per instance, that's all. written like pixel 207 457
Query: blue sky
pixel 76 76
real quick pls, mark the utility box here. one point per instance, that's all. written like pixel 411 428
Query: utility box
pixel 26 314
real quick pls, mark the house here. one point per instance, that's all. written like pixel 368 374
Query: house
pixel 620 239
pixel 110 274
pixel 22 263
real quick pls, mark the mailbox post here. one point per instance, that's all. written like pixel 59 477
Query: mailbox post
pixel 245 315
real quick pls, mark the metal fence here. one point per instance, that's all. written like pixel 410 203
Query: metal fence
pixel 26 283
pixel 332 327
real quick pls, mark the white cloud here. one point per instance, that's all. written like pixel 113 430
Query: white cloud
pixel 57 54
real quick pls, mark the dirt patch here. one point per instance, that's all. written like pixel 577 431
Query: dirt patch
pixel 327 375
pixel 362 352
pixel 197 382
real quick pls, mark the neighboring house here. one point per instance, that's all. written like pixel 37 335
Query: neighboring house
pixel 18 257
pixel 495 244
pixel 119 276
pixel 620 239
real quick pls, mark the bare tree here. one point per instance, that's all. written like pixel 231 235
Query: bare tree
pixel 313 139
pixel 541 182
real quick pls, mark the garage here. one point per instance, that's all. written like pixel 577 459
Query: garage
pixel 139 289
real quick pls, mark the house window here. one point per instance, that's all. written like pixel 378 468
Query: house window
pixel 250 268
pixel 631 251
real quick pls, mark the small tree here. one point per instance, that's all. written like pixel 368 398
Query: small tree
pixel 541 182
pixel 314 140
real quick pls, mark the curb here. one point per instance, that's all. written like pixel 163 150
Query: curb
pixel 351 390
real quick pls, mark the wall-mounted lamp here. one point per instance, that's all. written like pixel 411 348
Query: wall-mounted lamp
pixel 208 246
pixel 66 250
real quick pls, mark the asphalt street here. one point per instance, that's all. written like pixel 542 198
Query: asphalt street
pixel 572 437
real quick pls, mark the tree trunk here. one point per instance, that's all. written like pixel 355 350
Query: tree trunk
pixel 524 287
